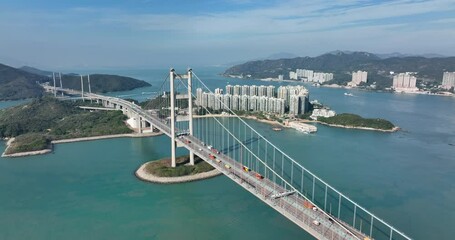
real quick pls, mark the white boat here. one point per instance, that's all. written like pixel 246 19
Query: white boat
pixel 348 94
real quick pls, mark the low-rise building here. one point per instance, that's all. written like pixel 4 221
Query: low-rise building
pixel 322 113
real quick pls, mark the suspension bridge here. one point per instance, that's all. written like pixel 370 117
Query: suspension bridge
pixel 249 159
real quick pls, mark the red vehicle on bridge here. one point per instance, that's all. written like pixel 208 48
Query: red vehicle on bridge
pixel 259 176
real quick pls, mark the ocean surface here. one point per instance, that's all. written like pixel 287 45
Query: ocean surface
pixel 87 190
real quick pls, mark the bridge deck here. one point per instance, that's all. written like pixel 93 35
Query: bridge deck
pixel 291 206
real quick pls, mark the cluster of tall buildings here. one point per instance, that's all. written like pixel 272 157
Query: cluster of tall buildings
pixel 404 82
pixel 448 80
pixel 310 76
pixel 358 77
pixel 253 90
pixel 287 99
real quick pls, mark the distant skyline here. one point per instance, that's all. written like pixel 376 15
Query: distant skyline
pixel 63 34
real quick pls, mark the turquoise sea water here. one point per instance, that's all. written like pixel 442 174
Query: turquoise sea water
pixel 87 190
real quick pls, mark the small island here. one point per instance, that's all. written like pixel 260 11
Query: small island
pixel 160 171
pixel 348 120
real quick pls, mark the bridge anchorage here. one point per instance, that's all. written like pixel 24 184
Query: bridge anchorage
pixel 190 117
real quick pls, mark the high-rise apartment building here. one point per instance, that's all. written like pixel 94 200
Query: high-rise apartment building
pixel 321 77
pixel 262 91
pixel 218 91
pixel 283 93
pixel 253 103
pixel 235 102
pixel 294 105
pixel 227 101
pixel 211 101
pixel 298 104
pixel 244 102
pixel 404 82
pixel 448 80
pixel 253 90
pixel 270 91
pixel 264 103
pixel 198 96
pixel 237 89
pixel 204 100
pixel 245 90
pixel 229 89
pixel 293 75
pixel 358 77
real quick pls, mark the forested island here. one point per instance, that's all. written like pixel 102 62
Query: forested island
pixel 349 120
pixel 21 83
pixel 34 125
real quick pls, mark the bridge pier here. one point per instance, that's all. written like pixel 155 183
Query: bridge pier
pixel 138 123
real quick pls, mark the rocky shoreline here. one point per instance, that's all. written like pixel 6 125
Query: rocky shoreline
pixel 23 154
pixel 143 175
pixel 395 129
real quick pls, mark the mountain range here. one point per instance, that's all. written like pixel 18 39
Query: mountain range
pixel 21 83
pixel 341 64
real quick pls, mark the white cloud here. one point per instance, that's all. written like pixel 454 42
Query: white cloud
pixel 303 27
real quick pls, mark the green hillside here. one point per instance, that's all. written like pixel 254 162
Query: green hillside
pixel 342 64
pixel 102 83
pixel 36 123
pixel 24 83
pixel 353 120
pixel 18 84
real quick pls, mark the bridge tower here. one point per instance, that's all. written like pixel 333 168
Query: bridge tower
pixel 173 116
pixel 55 89
pixel 89 87
pixel 82 88
pixel 61 83
pixel 190 110
pixel 172 111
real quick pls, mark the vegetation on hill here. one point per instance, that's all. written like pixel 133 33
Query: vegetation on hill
pixel 342 64
pixel 162 167
pixel 160 101
pixel 36 71
pixel 18 84
pixel 102 83
pixel 29 142
pixel 352 120
pixel 24 82
pixel 52 119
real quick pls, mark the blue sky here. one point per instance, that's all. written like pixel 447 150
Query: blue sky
pixel 61 34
